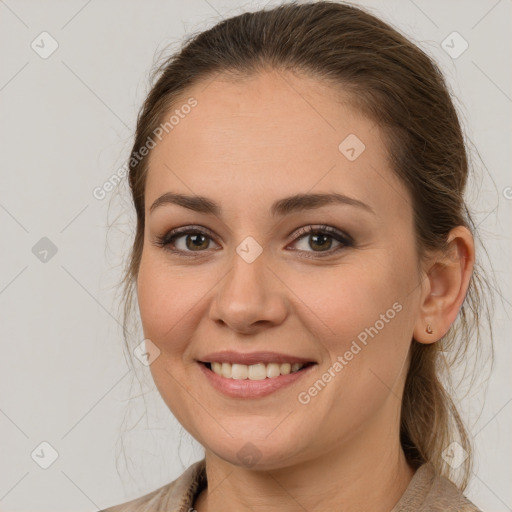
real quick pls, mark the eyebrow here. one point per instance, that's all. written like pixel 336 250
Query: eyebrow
pixel 282 207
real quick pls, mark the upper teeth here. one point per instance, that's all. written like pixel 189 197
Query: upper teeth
pixel 258 371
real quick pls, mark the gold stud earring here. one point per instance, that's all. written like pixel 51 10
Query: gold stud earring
pixel 429 330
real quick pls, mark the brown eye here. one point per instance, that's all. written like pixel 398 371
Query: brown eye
pixel 195 241
pixel 320 239
pixel 184 241
pixel 187 241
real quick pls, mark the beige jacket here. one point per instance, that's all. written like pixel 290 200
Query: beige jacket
pixel 426 493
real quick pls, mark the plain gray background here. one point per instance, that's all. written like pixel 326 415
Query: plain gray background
pixel 66 124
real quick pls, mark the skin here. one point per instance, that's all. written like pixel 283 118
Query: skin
pixel 246 144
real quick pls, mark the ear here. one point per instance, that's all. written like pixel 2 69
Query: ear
pixel 446 282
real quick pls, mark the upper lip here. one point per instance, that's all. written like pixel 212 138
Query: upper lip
pixel 229 356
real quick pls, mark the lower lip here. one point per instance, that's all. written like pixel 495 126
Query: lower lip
pixel 252 388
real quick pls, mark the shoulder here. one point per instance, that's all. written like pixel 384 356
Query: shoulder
pixel 431 492
pixel 444 496
pixel 178 494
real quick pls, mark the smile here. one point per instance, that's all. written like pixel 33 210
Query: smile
pixel 257 371
pixel 252 374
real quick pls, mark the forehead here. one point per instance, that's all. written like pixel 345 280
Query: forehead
pixel 264 136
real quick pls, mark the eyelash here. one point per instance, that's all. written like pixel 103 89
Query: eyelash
pixel 166 240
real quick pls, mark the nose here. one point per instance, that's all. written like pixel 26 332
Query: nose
pixel 250 297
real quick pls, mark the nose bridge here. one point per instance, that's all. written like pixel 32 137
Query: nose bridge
pixel 248 267
pixel 248 293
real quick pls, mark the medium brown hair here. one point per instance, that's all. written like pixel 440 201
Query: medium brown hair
pixel 392 81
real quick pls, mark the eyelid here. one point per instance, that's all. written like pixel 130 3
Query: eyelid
pixel 300 233
pixel 344 239
pixel 165 239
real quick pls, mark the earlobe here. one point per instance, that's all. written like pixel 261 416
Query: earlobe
pixel 447 281
pixel 425 333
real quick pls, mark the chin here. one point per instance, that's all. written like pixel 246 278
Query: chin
pixel 256 453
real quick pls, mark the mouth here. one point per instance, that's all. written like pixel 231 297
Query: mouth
pixel 254 375
pixel 254 372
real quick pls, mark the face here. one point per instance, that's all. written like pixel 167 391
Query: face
pixel 249 286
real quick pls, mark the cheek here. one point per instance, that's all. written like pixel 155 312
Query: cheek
pixel 366 315
pixel 164 300
pixel 168 302
pixel 354 301
pixel 173 301
pixel 155 298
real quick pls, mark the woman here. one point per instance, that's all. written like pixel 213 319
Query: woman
pixel 303 256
